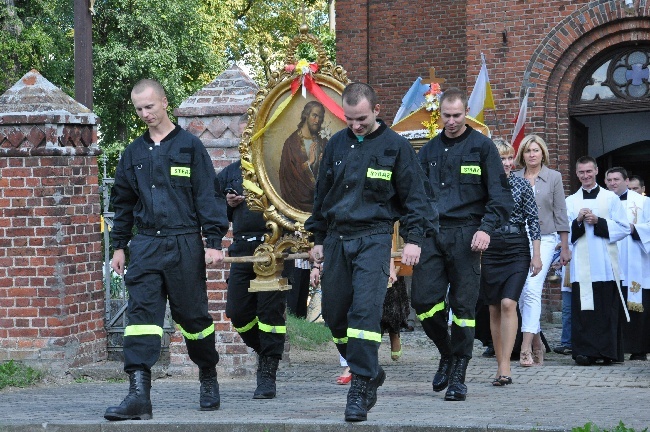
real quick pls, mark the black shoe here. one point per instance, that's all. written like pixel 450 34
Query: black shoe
pixel 441 378
pixel 457 390
pixel 357 406
pixel 267 368
pixel 489 352
pixel 639 356
pixel 584 360
pixel 137 404
pixel 373 385
pixel 209 399
pixel 562 349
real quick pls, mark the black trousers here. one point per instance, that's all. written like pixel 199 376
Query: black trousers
pixel 163 268
pixel 447 261
pixel 299 293
pixel 258 317
pixel 354 282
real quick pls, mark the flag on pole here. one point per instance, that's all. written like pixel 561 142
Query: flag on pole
pixel 520 123
pixel 481 97
pixel 412 100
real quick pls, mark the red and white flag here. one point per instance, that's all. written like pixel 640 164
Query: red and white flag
pixel 520 123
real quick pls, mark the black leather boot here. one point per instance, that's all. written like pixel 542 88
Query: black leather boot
pixel 137 404
pixel 267 368
pixel 457 390
pixel 209 398
pixel 441 378
pixel 373 385
pixel 357 406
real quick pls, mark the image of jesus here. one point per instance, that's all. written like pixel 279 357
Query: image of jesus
pixel 301 156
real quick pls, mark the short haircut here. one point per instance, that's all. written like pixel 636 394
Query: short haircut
pixel 144 84
pixel 620 170
pixel 586 159
pixel 523 147
pixel 355 92
pixel 453 94
pixel 503 146
pixel 639 179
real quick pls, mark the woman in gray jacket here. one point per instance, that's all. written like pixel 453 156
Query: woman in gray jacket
pixel 554 224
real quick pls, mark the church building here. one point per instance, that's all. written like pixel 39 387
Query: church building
pixel 585 63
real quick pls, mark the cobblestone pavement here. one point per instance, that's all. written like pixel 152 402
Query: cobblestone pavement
pixel 557 396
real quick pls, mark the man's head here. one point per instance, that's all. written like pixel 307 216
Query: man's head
pixel 636 184
pixel 150 102
pixel 616 180
pixel 313 114
pixel 360 108
pixel 453 109
pixel 586 170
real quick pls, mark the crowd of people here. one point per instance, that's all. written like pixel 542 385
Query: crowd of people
pixel 471 224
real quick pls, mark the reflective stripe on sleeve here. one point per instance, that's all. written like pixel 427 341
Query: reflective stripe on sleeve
pixel 340 340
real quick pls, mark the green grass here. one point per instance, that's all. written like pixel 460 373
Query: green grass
pixel 307 335
pixel 590 427
pixel 16 374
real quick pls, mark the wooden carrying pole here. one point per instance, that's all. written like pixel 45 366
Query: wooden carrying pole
pixel 286 256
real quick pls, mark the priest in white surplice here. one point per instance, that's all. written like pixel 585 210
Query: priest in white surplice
pixel 634 256
pixel 598 221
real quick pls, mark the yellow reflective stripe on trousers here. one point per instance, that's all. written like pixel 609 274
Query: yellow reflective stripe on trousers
pixel 364 334
pixel 247 327
pixel 200 335
pixel 340 340
pixel 267 328
pixel 461 322
pixel 431 312
pixel 143 330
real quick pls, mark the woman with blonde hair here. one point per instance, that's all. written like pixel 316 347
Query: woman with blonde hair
pixel 505 265
pixel 554 224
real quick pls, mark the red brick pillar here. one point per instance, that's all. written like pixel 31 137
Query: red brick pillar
pixel 51 293
pixel 213 114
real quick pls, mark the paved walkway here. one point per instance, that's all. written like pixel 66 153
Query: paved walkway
pixel 557 396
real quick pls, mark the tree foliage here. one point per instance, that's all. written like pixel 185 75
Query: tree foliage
pixel 182 43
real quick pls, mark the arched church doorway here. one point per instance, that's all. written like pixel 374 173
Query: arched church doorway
pixel 610 112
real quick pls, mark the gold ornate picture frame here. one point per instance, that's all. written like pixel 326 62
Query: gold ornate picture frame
pixel 276 185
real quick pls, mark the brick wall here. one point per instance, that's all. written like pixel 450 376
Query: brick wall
pixel 51 292
pixel 405 39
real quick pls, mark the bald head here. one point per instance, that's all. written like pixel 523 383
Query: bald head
pixel 145 84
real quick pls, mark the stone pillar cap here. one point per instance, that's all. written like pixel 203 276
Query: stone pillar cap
pixel 34 99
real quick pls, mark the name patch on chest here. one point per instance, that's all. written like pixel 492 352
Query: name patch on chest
pixel 470 169
pixel 181 171
pixel 379 174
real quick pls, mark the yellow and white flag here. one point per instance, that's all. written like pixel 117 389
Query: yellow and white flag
pixel 481 97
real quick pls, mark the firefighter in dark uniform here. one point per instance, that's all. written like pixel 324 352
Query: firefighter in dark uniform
pixel 473 197
pixel 369 178
pixel 257 316
pixel 164 185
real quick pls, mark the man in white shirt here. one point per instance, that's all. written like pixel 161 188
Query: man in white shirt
pixel 597 221
pixel 635 264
